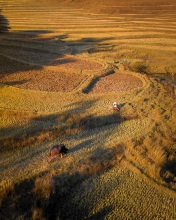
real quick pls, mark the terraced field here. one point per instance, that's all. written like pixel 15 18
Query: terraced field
pixel 61 68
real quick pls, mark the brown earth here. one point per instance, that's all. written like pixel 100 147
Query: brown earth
pixel 53 81
pixel 121 161
pixel 117 82
pixel 43 80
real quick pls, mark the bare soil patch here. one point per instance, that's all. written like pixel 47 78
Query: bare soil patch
pixel 117 82
pixel 43 80
pixel 75 63
pixel 29 76
pixel 53 81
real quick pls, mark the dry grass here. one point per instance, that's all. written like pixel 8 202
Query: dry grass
pixel 118 162
pixel 115 194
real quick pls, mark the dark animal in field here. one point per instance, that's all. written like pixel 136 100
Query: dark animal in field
pixel 58 150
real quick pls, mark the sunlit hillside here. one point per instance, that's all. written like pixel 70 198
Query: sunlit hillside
pixel 62 65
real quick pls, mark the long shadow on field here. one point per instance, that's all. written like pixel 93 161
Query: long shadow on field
pixel 33 138
pixel 69 118
pixel 85 144
pixel 49 196
pixel 18 202
pixel 101 214
pixel 31 50
pixel 28 198
pixel 4 23
pixel 90 45
pixel 41 128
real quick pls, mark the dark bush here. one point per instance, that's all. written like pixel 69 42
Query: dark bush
pixel 139 67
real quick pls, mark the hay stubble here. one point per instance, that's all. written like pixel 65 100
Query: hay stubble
pixel 59 55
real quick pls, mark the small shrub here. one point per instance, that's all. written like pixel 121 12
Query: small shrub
pixel 126 64
pixel 139 67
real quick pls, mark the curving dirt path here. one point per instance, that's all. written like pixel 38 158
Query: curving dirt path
pixel 62 40
pixel 61 74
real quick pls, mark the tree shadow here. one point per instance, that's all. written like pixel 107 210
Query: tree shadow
pixel 28 198
pixel 27 140
pixel 24 202
pixel 85 144
pixel 101 214
pixel 21 200
pixel 57 125
pixel 27 51
pixel 90 45
pixel 23 159
pixel 4 23
pixel 32 50
pixel 18 201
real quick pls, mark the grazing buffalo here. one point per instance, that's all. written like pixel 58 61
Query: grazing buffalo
pixel 57 150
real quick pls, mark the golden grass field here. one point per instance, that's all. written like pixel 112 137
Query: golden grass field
pixel 62 65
